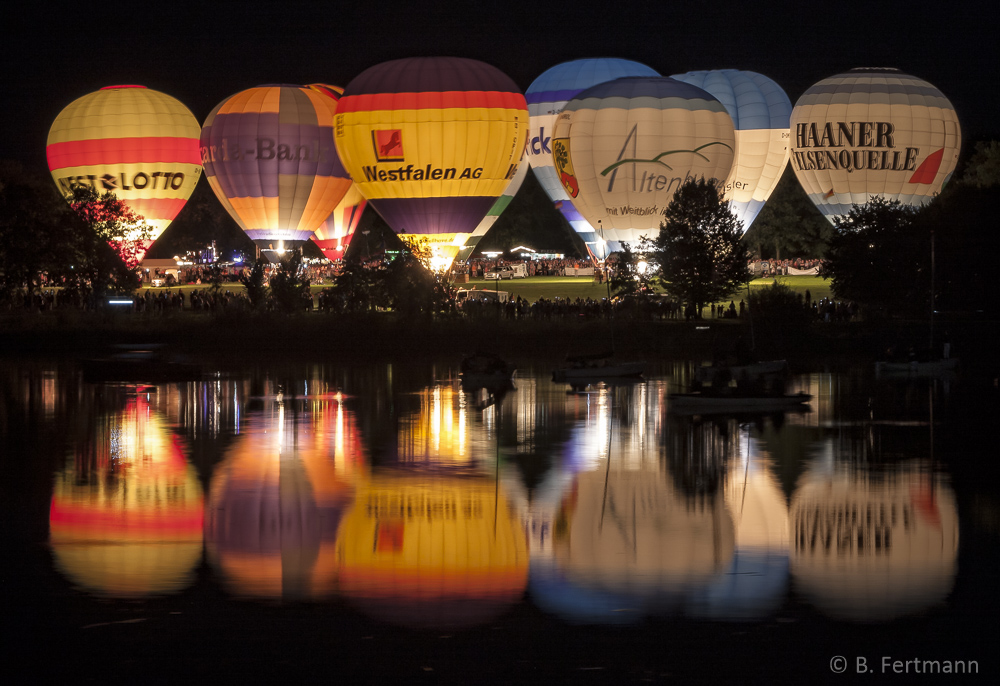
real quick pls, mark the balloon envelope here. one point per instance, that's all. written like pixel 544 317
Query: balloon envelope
pixel 494 212
pixel 270 158
pixel 760 111
pixel 133 141
pixel 432 142
pixel 334 235
pixel 546 97
pixel 624 147
pixel 870 132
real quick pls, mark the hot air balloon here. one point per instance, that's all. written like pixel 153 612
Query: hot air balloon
pixel 760 111
pixel 334 235
pixel 269 156
pixel 494 213
pixel 133 141
pixel 432 142
pixel 873 132
pixel 623 148
pixel 547 96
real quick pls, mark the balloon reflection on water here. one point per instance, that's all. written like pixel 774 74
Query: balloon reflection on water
pixel 754 585
pixel 126 515
pixel 277 498
pixel 873 545
pixel 429 552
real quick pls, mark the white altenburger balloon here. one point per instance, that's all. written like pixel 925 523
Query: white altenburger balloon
pixel 873 132
pixel 547 96
pixel 624 147
pixel 760 110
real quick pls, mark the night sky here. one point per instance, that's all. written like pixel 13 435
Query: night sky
pixel 203 52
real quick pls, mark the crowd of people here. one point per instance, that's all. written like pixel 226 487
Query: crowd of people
pixel 477 267
pixel 208 298
pixel 766 268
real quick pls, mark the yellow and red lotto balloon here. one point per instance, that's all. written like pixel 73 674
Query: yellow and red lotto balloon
pixel 269 156
pixel 623 148
pixel 432 142
pixel 870 132
pixel 133 141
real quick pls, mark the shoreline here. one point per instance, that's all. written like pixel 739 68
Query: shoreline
pixel 381 336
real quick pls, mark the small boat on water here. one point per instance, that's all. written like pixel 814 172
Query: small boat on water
pixel 915 368
pixel 150 364
pixel 753 387
pixel 486 370
pixel 707 403
pixel 597 367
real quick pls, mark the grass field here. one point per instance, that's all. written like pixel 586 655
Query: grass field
pixel 533 288
pixel 572 287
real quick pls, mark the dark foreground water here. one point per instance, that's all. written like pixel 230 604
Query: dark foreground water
pixel 336 524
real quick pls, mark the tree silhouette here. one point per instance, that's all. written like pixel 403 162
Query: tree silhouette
pixel 698 255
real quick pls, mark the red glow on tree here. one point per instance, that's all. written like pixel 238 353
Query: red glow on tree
pixel 114 221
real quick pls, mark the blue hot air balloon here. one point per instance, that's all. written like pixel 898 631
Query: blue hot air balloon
pixel 547 96
pixel 760 110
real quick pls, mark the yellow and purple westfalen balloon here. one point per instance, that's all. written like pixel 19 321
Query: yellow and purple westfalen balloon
pixel 269 156
pixel 133 141
pixel 760 111
pixel 432 142
pixel 873 132
pixel 623 148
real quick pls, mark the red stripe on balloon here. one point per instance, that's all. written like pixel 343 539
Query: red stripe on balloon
pixel 430 101
pixel 150 149
pixel 157 208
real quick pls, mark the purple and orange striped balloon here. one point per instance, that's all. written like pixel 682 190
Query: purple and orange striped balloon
pixel 269 156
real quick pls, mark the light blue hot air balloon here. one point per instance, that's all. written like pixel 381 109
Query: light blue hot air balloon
pixel 547 96
pixel 760 110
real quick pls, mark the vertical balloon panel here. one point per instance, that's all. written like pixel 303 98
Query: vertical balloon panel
pixel 133 141
pixel 546 97
pixel 760 111
pixel 873 132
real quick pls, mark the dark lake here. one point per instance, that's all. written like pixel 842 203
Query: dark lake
pixel 325 523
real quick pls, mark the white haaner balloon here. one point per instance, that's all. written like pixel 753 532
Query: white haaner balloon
pixel 760 110
pixel 547 96
pixel 870 132
pixel 623 148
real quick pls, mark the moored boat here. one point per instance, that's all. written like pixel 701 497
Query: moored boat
pixel 707 403
pixel 597 367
